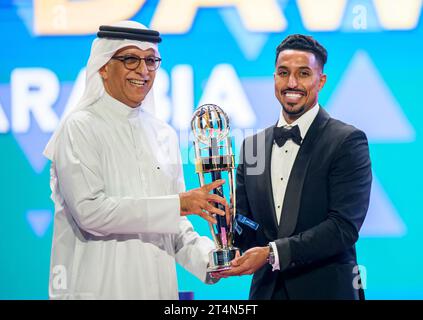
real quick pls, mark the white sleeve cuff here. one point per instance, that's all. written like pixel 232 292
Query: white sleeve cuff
pixel 275 266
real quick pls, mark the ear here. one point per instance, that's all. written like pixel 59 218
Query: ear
pixel 103 72
pixel 322 81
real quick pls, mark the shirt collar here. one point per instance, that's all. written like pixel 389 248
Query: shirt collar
pixel 304 122
pixel 117 108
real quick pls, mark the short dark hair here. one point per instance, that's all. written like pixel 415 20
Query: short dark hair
pixel 303 43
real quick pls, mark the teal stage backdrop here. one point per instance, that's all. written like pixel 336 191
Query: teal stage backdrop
pixel 219 52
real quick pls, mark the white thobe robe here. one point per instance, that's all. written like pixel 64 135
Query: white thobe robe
pixel 115 181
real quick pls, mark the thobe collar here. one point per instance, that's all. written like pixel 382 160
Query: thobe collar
pixel 117 108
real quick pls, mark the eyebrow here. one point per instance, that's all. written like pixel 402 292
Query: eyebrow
pixel 129 54
pixel 148 51
pixel 302 67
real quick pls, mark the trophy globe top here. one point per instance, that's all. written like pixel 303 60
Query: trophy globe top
pixel 209 121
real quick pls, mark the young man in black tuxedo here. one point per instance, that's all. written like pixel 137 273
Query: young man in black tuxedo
pixel 308 188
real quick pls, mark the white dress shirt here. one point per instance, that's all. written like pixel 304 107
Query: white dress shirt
pixel 282 160
pixel 117 226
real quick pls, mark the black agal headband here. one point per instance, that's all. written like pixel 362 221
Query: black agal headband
pixel 129 33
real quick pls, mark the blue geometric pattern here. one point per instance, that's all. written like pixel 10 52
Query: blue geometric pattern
pixel 382 219
pixel 33 142
pixel 25 10
pixel 251 43
pixel 39 221
pixel 364 100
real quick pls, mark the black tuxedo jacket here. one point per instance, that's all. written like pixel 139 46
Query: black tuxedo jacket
pixel 325 204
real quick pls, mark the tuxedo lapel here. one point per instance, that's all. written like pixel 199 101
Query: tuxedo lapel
pixel 292 201
pixel 264 183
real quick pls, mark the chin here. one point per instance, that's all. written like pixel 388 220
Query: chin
pixel 137 100
pixel 136 104
pixel 132 103
pixel 294 111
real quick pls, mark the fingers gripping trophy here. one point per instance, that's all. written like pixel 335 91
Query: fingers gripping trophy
pixel 214 160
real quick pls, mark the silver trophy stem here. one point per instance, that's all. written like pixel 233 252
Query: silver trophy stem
pixel 202 183
pixel 231 185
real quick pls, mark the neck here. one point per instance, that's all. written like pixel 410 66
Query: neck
pixel 292 117
pixel 289 118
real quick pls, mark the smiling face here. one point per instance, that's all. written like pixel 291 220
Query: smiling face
pixel 298 80
pixel 128 86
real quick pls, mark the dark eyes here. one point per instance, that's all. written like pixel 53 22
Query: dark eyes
pixel 130 60
pixel 150 60
pixel 301 74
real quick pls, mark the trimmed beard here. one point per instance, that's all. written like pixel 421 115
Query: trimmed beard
pixel 293 113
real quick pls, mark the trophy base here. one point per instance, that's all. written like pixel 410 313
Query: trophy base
pixel 220 259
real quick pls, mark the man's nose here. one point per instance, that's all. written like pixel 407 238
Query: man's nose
pixel 142 68
pixel 292 81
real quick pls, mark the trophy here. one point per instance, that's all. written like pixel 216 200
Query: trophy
pixel 214 156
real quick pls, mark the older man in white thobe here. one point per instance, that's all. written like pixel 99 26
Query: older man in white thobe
pixel 117 183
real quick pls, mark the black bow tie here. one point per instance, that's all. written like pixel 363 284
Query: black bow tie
pixel 281 135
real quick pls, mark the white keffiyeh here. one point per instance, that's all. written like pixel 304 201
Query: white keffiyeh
pixel 101 51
